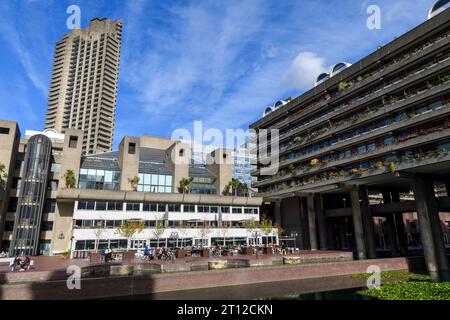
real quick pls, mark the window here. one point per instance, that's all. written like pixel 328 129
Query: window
pixel 203 209
pixel 73 141
pixel 50 206
pixel 115 206
pixel 154 183
pixel 12 205
pixel 9 225
pixel 174 208
pixel 4 130
pixel 133 206
pixel 47 226
pixel 53 185
pixel 161 207
pixel 100 206
pixel 150 207
pixel 225 209
pixel 189 208
pixel 15 183
pixel 237 210
pixel 99 179
pixel 131 148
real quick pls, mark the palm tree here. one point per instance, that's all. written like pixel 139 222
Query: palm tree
pixel 186 184
pixel 245 192
pixel 235 184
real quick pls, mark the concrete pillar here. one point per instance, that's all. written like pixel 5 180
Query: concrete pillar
pixel 303 232
pixel 277 207
pixel 367 223
pixel 430 229
pixel 391 233
pixel 358 224
pixel 321 226
pixel 401 233
pixel 311 222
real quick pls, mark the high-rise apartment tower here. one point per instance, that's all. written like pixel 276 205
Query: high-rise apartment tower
pixel 84 83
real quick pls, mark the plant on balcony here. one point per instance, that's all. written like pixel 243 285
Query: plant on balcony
pixel 411 114
pixel 291 169
pixel 134 183
pixel 314 162
pixel 128 229
pixel 3 176
pixel 342 86
pixel 379 165
pixel 391 167
pixel 71 181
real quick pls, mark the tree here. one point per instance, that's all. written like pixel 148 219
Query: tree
pixel 71 181
pixel 3 176
pixel 266 226
pixel 129 229
pixel 186 184
pixel 159 230
pixel 250 225
pixel 134 183
pixel 235 184
pixel 245 190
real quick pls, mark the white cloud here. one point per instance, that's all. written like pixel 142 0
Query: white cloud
pixel 304 70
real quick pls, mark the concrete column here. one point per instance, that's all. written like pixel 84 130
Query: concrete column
pixel 358 224
pixel 391 233
pixel 430 229
pixel 402 241
pixel 401 234
pixel 312 222
pixel 390 197
pixel 321 226
pixel 277 207
pixel 367 223
pixel 303 231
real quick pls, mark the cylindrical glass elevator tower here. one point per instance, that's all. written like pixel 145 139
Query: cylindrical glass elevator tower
pixel 27 224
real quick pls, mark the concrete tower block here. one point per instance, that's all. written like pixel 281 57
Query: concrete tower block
pixel 220 162
pixel 178 159
pixel 129 150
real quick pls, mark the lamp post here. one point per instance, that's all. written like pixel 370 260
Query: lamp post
pixel 174 236
pixel 294 234
pixel 256 234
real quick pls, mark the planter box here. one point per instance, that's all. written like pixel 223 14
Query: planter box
pixel 128 256
pixel 95 257
pixel 248 251
pixel 205 253
pixel 226 253
pixel 181 253
pixel 268 251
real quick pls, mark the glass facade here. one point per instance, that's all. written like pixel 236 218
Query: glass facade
pixel 155 183
pixel 27 224
pixel 99 179
pixel 203 186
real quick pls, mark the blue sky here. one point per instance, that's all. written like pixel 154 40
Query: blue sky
pixel 218 61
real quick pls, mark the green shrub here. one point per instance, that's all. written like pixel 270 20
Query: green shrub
pixel 415 290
